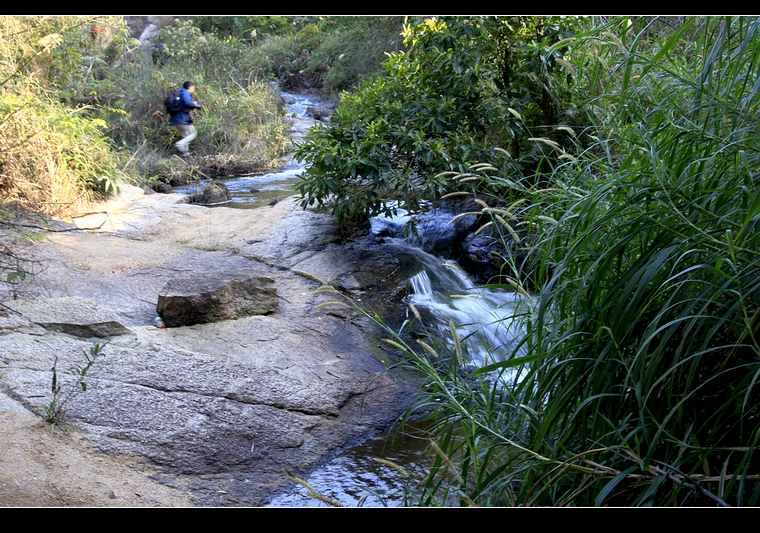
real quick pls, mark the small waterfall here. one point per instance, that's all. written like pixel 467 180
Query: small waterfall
pixel 484 317
pixel 421 284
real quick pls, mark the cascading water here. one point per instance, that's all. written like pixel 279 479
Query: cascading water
pixel 484 317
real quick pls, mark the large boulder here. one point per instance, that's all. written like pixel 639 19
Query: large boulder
pixel 216 296
pixel 321 112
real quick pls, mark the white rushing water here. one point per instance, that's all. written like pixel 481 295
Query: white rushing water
pixel 483 317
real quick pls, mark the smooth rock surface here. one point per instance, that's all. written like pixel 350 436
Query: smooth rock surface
pixel 75 316
pixel 223 409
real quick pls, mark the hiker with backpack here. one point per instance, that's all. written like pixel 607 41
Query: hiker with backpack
pixel 179 104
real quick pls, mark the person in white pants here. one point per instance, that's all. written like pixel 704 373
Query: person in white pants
pixel 182 119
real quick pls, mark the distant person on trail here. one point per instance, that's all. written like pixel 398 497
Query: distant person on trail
pixel 180 116
pixel 159 55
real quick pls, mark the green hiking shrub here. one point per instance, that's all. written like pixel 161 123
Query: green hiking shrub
pixel 442 104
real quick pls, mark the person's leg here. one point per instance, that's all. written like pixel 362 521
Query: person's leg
pixel 188 133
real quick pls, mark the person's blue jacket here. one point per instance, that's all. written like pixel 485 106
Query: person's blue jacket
pixel 183 117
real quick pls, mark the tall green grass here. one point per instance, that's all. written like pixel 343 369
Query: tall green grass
pixel 54 158
pixel 640 384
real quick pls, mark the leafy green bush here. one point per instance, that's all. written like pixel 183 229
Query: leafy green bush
pixel 54 153
pixel 438 108
pixel 204 57
pixel 52 159
pixel 333 54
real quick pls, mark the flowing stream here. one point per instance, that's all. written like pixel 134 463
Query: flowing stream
pixel 483 317
pixel 441 290
pixel 250 191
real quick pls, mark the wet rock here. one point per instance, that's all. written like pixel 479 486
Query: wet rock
pixel 320 112
pixel 483 255
pixel 280 198
pixel 179 179
pixel 215 192
pixel 213 297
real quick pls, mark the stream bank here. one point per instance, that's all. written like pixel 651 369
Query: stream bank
pixel 219 411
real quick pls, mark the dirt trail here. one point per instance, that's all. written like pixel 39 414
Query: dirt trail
pixel 39 467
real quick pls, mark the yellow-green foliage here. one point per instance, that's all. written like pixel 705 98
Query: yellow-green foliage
pixel 53 157
pixel 50 158
pixel 240 128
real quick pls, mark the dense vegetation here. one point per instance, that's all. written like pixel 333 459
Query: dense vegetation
pixel 462 87
pixel 621 153
pixel 640 358
pixel 81 101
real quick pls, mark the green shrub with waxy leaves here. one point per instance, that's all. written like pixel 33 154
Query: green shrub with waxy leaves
pixel 442 103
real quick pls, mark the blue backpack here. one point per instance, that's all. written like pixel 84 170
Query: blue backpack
pixel 173 102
